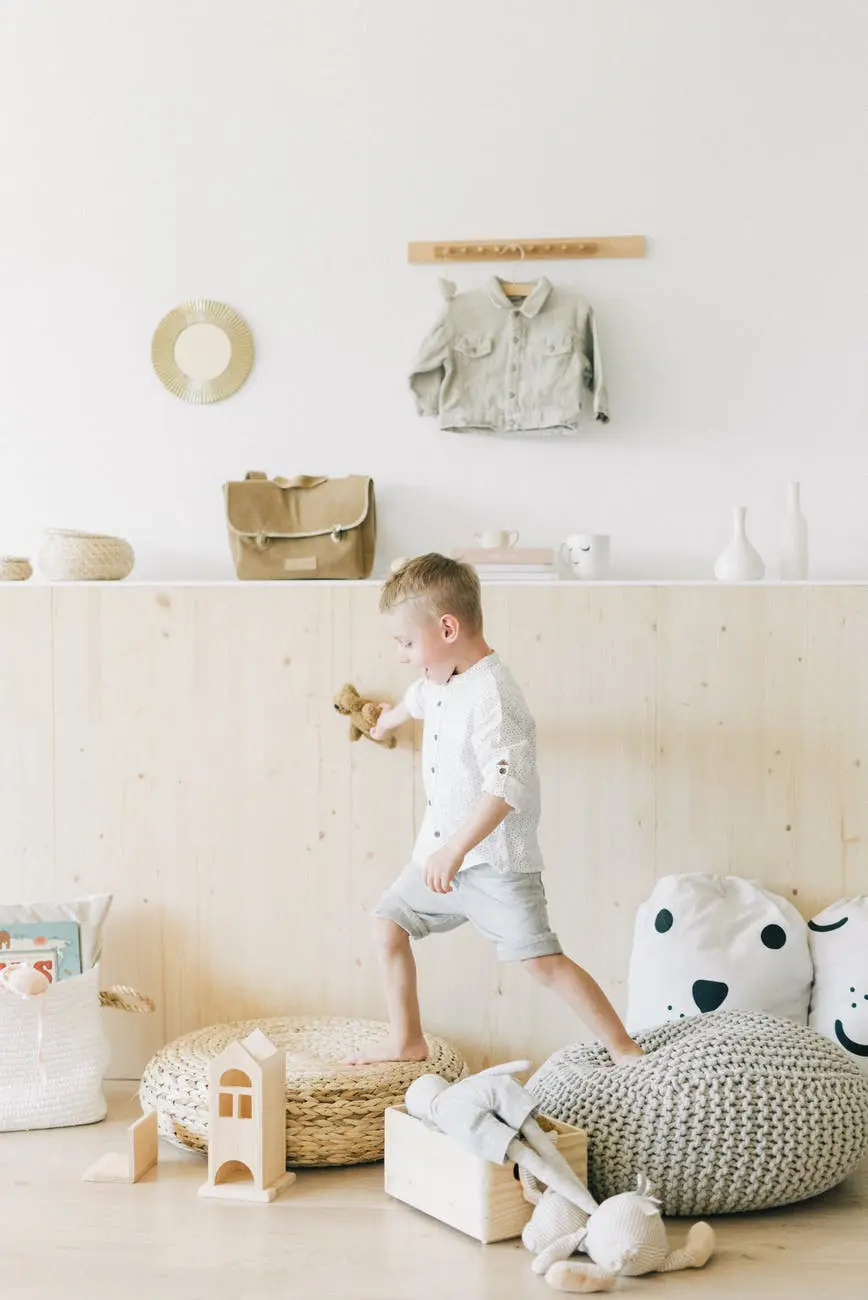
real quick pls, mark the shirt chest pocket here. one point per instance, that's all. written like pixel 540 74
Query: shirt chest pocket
pixel 472 347
pixel 556 343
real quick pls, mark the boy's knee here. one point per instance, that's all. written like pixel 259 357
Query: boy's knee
pixel 543 969
pixel 390 937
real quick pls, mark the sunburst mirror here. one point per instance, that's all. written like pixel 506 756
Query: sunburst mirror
pixel 202 351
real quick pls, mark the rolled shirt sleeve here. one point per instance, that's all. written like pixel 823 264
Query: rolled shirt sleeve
pixel 414 698
pixel 429 369
pixel 596 382
pixel 506 755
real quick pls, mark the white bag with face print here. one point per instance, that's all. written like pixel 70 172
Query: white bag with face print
pixel 707 943
pixel 839 1004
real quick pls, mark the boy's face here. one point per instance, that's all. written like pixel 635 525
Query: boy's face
pixel 426 642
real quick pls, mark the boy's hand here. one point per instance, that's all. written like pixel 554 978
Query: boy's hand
pixel 441 869
pixel 381 727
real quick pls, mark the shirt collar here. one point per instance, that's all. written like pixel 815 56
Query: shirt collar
pixel 469 676
pixel 532 304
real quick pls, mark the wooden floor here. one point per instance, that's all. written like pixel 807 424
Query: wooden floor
pixel 336 1236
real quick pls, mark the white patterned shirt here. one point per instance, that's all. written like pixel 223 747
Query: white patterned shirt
pixel 479 738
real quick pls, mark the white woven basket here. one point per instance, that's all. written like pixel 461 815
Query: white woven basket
pixel 66 1088
pixel 69 556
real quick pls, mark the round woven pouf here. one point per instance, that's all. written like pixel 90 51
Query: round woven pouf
pixel 728 1112
pixel 334 1113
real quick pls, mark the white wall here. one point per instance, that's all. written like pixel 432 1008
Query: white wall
pixel 278 154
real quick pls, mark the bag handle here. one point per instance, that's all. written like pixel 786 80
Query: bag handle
pixel 300 480
pixel 123 998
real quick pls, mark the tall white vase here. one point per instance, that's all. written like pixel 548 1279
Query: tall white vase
pixel 794 538
pixel 740 562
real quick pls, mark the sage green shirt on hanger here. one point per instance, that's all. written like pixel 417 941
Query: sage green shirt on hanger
pixel 498 366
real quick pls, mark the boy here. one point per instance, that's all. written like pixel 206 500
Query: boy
pixel 476 857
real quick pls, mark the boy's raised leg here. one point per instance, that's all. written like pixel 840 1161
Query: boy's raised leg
pixel 582 992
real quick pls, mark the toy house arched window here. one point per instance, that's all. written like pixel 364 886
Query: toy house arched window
pixel 236 1095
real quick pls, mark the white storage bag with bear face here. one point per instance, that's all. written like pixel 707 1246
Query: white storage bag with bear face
pixel 706 943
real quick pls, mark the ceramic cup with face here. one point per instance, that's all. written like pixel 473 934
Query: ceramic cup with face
pixel 587 554
pixel 497 538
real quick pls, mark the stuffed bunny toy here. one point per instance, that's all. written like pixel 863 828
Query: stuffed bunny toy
pixel 625 1236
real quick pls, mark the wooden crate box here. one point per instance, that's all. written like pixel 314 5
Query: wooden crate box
pixel 430 1171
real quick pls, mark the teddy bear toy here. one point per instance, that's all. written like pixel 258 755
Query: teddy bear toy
pixel 362 715
pixel 625 1236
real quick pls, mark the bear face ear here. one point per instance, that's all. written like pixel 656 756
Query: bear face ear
pixel 774 936
pixel 664 921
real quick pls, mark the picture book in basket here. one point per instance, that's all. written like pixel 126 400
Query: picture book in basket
pixel 53 947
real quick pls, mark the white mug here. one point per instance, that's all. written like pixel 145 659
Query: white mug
pixel 587 554
pixel 497 538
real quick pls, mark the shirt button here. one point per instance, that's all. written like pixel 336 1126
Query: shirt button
pixel 433 769
pixel 439 704
pixel 551 347
pixel 435 735
pixel 512 395
pixel 429 803
pixel 436 835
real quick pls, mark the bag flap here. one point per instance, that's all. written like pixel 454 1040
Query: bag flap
pixel 302 507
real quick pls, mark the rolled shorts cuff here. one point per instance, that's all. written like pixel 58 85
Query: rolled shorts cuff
pixel 391 908
pixel 546 945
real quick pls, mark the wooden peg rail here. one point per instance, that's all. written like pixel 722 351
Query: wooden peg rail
pixel 498 250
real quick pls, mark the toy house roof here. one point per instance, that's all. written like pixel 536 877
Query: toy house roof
pixel 255 1050
pixel 259 1045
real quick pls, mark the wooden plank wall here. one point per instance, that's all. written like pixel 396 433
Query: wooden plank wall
pixel 178 747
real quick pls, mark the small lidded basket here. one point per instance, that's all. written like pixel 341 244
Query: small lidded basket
pixel 69 556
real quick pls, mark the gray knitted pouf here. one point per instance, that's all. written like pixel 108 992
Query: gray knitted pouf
pixel 730 1111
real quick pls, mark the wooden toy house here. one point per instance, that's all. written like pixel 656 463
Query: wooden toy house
pixel 247 1122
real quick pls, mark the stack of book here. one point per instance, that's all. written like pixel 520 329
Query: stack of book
pixel 509 563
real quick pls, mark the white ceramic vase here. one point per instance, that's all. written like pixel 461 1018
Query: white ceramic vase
pixel 794 538
pixel 740 562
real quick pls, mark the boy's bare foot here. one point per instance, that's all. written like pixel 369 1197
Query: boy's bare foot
pixel 624 1055
pixel 389 1050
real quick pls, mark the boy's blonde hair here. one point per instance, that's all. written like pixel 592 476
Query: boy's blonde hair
pixel 441 586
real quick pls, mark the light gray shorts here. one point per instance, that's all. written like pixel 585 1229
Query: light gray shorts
pixel 507 907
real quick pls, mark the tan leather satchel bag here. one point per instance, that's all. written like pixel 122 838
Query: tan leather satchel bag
pixel 304 527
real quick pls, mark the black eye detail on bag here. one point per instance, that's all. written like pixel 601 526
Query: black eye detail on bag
pixel 774 936
pixel 827 929
pixel 663 921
